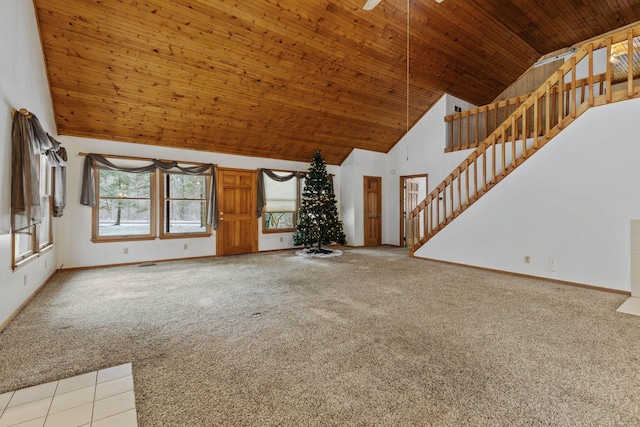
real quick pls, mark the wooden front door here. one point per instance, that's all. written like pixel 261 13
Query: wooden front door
pixel 238 226
pixel 410 202
pixel 372 211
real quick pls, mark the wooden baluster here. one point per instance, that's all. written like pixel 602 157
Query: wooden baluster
pixel 426 210
pixel 475 175
pixel 514 138
pixel 609 71
pixel 477 128
pixel 484 168
pixel 547 116
pixel 486 123
pixel 537 120
pixel 425 223
pixel 601 90
pixel 504 148
pixel 468 131
pixel 459 147
pixel 525 125
pixel 414 221
pixel 416 236
pixel 541 115
pixel 554 107
pixel 459 172
pixel 438 208
pixel 630 63
pixel 560 97
pixel 430 231
pixel 411 230
pixel 590 77
pixel 452 211
pixel 495 119
pixel 573 93
pixel 493 157
pixel 444 203
pixel 433 202
pixel 506 110
pixel 466 181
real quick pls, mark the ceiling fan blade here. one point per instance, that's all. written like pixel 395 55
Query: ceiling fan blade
pixel 370 4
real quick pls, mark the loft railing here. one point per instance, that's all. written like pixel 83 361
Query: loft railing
pixel 559 101
pixel 469 128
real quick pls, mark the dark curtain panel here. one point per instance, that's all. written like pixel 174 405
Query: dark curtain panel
pixel 57 158
pixel 25 194
pixel 28 140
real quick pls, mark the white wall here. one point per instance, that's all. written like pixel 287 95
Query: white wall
pixel 23 84
pixel 420 151
pixel 74 229
pixel 572 201
pixel 359 163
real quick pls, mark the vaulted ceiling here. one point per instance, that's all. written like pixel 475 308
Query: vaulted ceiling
pixel 284 78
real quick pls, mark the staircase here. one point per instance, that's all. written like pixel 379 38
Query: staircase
pixel 564 97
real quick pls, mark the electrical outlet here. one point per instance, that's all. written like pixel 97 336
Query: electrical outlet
pixel 186 246
pixel 527 259
pixel 552 264
pixel 126 251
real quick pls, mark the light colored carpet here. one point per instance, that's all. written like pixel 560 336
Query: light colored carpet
pixel 372 338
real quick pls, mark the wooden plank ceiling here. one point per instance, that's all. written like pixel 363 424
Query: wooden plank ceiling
pixel 284 78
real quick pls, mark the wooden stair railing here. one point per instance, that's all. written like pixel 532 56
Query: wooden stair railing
pixel 556 104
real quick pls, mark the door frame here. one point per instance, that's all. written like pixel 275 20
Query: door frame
pixel 364 206
pixel 254 221
pixel 402 200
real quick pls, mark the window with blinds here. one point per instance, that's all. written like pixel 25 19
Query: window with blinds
pixel 281 210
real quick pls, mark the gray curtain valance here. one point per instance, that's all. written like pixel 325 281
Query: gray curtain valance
pixel 97 161
pixel 262 197
pixel 29 139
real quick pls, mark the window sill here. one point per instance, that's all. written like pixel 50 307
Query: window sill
pixel 121 239
pixel 185 236
pixel 280 230
pixel 23 262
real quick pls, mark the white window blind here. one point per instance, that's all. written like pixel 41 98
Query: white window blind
pixel 281 196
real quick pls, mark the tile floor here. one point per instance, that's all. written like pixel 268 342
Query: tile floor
pixel 96 399
pixel 630 306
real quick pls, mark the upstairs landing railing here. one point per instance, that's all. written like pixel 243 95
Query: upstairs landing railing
pixel 469 128
pixel 558 102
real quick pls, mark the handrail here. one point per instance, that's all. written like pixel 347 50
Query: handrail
pixel 543 115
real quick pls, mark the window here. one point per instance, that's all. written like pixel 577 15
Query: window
pixel 184 205
pixel 282 200
pixel 124 206
pixel 125 198
pixel 35 238
pixel 44 229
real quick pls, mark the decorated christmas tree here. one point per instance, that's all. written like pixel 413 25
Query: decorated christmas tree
pixel 318 222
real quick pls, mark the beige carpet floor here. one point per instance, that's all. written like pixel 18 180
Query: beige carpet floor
pixel 373 338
